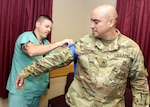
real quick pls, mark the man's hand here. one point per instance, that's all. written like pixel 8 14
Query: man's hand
pixel 67 42
pixel 19 82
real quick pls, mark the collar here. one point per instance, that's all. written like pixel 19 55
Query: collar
pixel 37 39
pixel 111 47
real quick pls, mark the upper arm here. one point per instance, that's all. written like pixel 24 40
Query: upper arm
pixel 25 47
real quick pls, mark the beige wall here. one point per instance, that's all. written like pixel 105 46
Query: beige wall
pixel 72 17
pixel 71 20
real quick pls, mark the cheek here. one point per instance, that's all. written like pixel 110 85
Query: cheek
pixel 101 28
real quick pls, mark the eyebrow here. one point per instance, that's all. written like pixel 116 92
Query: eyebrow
pixel 95 20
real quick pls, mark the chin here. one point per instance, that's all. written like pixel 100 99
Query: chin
pixel 96 36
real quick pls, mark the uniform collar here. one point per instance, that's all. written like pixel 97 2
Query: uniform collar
pixel 112 47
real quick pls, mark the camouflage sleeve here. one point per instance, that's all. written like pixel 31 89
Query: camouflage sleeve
pixel 48 63
pixel 139 83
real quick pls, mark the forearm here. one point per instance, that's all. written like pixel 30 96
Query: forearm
pixel 139 82
pixel 48 63
pixel 36 50
pixel 32 49
pixel 140 91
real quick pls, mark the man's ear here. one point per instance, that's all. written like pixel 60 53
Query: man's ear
pixel 37 24
pixel 112 22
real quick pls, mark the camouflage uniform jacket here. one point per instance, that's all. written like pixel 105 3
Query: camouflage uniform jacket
pixel 101 72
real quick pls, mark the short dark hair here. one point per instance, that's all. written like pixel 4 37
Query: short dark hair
pixel 44 17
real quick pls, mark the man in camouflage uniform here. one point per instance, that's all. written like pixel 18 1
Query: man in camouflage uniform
pixel 105 59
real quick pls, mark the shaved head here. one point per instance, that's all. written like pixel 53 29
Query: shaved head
pixel 43 17
pixel 106 11
pixel 103 22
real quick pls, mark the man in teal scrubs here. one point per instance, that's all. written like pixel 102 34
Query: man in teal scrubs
pixel 31 46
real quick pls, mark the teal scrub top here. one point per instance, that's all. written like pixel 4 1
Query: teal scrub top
pixel 33 86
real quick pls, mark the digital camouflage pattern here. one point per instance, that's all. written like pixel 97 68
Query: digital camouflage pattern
pixel 102 72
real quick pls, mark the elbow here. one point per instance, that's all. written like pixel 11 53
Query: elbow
pixel 30 53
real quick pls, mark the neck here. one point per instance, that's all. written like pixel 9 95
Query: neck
pixel 111 35
pixel 38 37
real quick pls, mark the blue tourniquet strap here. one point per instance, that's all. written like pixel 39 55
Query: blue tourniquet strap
pixel 72 48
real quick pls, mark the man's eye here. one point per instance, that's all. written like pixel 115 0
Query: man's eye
pixel 96 22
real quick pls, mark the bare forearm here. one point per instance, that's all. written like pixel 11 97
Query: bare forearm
pixel 32 49
pixel 42 49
